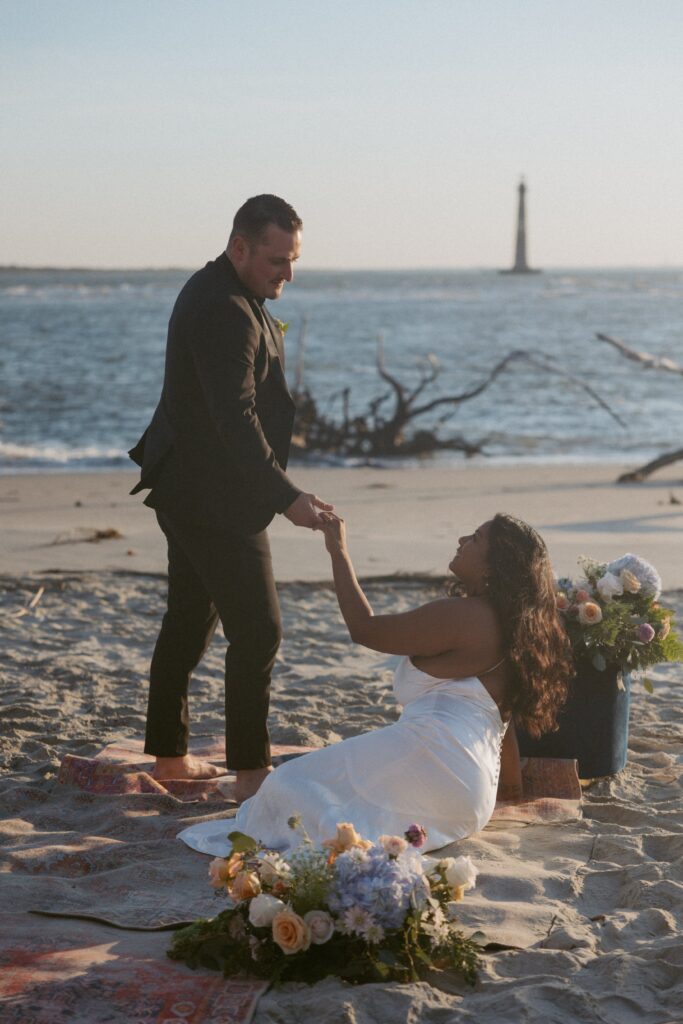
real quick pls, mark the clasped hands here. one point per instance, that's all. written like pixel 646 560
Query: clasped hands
pixel 304 512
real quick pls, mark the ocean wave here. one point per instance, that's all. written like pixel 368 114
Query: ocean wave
pixel 77 290
pixel 47 455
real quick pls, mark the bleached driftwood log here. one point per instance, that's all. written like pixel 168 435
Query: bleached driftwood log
pixel 376 434
pixel 649 362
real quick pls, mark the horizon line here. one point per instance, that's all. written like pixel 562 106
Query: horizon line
pixel 345 269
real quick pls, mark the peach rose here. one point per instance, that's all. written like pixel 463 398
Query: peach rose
pixel 235 864
pixel 581 596
pixel 290 932
pixel 218 872
pixel 630 581
pixel 245 886
pixel 345 839
pixel 562 602
pixel 590 613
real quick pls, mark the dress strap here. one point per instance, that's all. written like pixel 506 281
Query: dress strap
pixel 492 669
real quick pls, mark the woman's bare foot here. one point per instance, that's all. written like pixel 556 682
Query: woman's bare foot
pixel 187 767
pixel 248 781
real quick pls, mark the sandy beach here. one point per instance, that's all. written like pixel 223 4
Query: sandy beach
pixel 398 521
pixel 583 918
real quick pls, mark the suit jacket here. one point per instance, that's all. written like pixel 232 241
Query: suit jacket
pixel 216 449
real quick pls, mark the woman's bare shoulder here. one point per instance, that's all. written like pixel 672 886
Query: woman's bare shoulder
pixel 477 620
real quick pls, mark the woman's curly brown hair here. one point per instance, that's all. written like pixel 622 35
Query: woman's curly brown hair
pixel 521 588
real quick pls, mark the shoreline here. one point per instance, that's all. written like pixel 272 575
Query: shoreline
pixel 400 521
pixel 439 460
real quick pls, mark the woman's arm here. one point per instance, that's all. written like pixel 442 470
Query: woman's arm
pixel 432 629
pixel 510 779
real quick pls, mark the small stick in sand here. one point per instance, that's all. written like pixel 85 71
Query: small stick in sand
pixel 87 535
pixel 30 606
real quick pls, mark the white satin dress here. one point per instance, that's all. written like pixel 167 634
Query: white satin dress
pixel 438 766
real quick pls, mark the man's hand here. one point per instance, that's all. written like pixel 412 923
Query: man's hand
pixel 303 511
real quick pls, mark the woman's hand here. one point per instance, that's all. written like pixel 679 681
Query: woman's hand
pixel 335 532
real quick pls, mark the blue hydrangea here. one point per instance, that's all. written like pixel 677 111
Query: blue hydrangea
pixel 386 887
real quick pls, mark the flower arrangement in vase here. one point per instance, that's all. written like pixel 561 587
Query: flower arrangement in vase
pixel 616 627
pixel 613 617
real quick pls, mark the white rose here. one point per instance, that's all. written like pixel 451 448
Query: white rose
pixel 609 586
pixel 321 925
pixel 460 872
pixel 263 909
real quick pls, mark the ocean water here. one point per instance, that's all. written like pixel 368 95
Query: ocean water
pixel 82 354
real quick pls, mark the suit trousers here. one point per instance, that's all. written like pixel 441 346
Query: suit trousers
pixel 215 574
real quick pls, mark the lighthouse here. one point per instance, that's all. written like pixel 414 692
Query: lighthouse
pixel 520 265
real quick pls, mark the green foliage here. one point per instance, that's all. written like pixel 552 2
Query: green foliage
pixel 311 878
pixel 281 326
pixel 242 843
pixel 210 944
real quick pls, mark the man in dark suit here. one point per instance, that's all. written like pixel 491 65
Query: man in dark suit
pixel 214 456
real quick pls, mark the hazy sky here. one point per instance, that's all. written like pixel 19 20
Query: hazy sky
pixel 131 130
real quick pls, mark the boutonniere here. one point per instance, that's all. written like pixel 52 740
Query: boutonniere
pixel 281 326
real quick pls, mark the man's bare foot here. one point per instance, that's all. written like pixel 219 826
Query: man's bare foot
pixel 248 781
pixel 187 767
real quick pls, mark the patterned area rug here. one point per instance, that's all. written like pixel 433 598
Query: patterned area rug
pixel 552 792
pixel 96 863
pixel 75 972
pixel 122 768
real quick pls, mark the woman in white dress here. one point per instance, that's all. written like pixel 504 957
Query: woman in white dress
pixel 469 664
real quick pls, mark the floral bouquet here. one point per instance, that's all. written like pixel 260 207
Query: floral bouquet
pixel 613 617
pixel 358 910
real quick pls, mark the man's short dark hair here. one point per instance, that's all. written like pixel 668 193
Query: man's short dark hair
pixel 252 219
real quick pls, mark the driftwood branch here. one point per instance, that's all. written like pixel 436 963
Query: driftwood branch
pixel 636 476
pixel 388 377
pixel 646 359
pixel 648 362
pixel 380 432
pixel 535 359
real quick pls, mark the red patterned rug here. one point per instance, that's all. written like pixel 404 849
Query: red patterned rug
pixel 96 860
pixel 122 768
pixel 75 972
pixel 552 792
